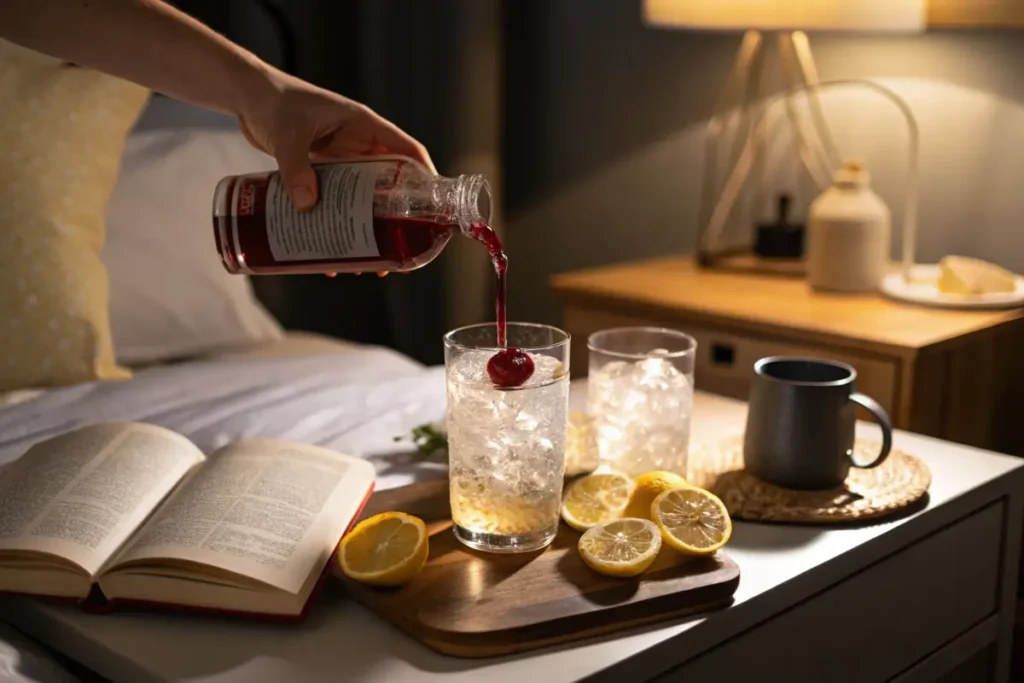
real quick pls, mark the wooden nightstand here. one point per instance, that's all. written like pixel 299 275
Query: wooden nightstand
pixel 955 375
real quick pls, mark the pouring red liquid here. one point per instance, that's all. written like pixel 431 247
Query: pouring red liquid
pixel 510 367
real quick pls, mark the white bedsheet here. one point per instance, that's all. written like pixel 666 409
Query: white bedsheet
pixel 355 400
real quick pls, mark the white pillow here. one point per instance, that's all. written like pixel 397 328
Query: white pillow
pixel 170 297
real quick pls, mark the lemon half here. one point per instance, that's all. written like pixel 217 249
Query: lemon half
pixel 692 521
pixel 387 549
pixel 595 499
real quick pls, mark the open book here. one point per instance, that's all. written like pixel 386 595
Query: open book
pixel 133 512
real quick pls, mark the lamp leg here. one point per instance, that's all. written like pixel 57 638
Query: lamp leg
pixel 737 87
pixel 753 111
pixel 809 147
pixel 809 73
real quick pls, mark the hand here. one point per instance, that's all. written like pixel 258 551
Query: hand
pixel 298 123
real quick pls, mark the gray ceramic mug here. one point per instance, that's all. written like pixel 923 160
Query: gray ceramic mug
pixel 800 425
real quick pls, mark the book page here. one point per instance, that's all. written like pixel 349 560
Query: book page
pixel 270 510
pixel 80 495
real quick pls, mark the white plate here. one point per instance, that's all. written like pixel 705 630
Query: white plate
pixel 923 290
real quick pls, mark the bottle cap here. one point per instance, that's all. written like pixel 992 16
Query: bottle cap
pixel 852 173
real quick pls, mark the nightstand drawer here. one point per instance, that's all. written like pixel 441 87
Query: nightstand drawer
pixel 725 358
pixel 877 622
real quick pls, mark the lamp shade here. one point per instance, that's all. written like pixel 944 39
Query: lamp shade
pixel 781 15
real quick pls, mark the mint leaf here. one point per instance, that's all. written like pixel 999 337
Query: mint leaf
pixel 430 440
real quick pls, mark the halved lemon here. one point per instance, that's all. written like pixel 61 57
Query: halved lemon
pixel 692 521
pixel 648 487
pixel 387 549
pixel 622 547
pixel 595 499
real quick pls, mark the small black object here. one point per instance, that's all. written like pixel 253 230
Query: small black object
pixel 723 354
pixel 781 239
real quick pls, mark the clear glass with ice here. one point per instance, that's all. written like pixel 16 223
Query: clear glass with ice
pixel 506 447
pixel 640 395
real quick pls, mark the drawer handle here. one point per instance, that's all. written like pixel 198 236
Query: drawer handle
pixel 723 354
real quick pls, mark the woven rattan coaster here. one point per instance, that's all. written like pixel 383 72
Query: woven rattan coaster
pixel 899 482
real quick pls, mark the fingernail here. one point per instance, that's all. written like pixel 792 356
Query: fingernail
pixel 302 197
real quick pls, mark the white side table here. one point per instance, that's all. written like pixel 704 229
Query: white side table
pixel 928 597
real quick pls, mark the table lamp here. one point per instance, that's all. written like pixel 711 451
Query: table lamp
pixel 744 93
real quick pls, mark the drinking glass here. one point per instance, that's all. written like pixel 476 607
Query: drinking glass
pixel 506 446
pixel 640 396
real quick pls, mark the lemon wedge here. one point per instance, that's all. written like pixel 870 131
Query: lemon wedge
pixel 622 547
pixel 692 521
pixel 595 499
pixel 648 487
pixel 387 549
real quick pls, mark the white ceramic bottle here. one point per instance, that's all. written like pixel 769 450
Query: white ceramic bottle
pixel 848 228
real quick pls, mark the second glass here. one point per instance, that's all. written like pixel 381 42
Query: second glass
pixel 640 395
pixel 506 447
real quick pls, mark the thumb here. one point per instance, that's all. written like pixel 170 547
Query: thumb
pixel 298 176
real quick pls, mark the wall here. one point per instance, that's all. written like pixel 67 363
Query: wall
pixel 605 121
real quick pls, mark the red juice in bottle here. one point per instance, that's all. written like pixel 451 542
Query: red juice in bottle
pixel 377 214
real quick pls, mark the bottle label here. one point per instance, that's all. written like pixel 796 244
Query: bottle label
pixel 340 226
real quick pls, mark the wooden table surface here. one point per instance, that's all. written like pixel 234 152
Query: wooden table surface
pixel 675 284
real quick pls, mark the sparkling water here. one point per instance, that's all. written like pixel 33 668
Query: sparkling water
pixel 506 450
pixel 641 412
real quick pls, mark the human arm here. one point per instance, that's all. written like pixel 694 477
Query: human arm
pixel 150 43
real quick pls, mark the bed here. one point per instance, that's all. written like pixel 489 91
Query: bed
pixel 207 359
pixel 305 387
pixel 350 397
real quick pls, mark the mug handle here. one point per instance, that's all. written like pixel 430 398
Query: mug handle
pixel 882 418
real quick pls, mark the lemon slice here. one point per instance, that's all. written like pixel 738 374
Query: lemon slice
pixel 580 445
pixel 692 521
pixel 648 487
pixel 622 547
pixel 387 549
pixel 595 499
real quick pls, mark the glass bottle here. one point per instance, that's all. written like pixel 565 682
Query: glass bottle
pixel 373 214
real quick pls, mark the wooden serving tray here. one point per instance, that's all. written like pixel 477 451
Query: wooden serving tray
pixel 471 604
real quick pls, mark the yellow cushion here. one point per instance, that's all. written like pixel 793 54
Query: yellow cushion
pixel 62 131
